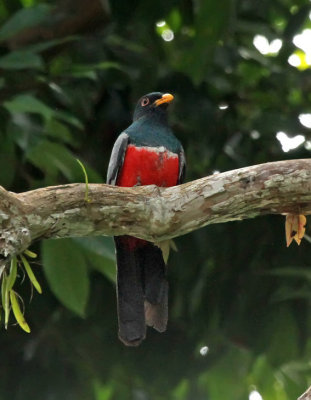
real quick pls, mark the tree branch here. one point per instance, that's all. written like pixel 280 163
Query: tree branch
pixel 306 395
pixel 150 212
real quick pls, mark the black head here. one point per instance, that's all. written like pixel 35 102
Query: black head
pixel 152 104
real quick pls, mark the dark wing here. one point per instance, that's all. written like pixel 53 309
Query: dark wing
pixel 117 158
pixel 182 166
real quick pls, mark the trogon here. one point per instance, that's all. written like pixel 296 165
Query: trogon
pixel 146 153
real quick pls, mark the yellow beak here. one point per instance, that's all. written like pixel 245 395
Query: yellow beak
pixel 166 98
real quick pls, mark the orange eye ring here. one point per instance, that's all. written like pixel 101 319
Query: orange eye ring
pixel 145 101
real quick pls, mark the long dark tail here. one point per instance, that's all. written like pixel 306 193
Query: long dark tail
pixel 142 289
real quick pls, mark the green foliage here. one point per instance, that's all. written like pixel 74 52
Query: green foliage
pixel 24 18
pixel 66 271
pixel 100 254
pixel 66 264
pixel 70 74
pixel 20 60
pixel 11 299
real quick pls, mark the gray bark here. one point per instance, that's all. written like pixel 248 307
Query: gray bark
pixel 150 212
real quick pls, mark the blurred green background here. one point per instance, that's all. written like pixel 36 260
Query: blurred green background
pixel 71 72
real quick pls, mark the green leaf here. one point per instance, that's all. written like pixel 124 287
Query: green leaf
pixel 20 60
pixel 51 157
pixel 211 24
pixel 41 46
pixel 86 196
pixel 280 344
pixel 262 376
pixel 291 272
pixel 27 103
pixel 24 18
pixel 100 253
pixel 66 271
pixel 28 3
pixel 24 131
pixel 58 130
pixel 69 118
pixel 31 275
pixel 103 265
pixel 85 74
pixel 13 273
pixel 181 391
pixel 102 246
pixel 174 20
pixel 285 293
pixel 230 368
pixel 103 391
pixel 3 12
pixel 24 103
pixel 89 70
pixel 101 66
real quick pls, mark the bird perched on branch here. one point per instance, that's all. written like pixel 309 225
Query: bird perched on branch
pixel 146 153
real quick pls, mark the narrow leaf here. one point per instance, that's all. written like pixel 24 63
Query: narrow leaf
pixel 86 197
pixel 30 254
pixel 18 312
pixel 3 287
pixel 6 308
pixel 42 46
pixel 31 275
pixel 12 276
pixel 5 300
pixel 291 272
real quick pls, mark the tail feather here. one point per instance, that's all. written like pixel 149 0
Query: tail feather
pixel 156 315
pixel 155 287
pixel 142 289
pixel 154 270
pixel 130 296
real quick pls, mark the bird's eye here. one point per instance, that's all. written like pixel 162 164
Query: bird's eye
pixel 145 101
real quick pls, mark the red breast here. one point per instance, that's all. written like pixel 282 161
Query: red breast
pixel 149 166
